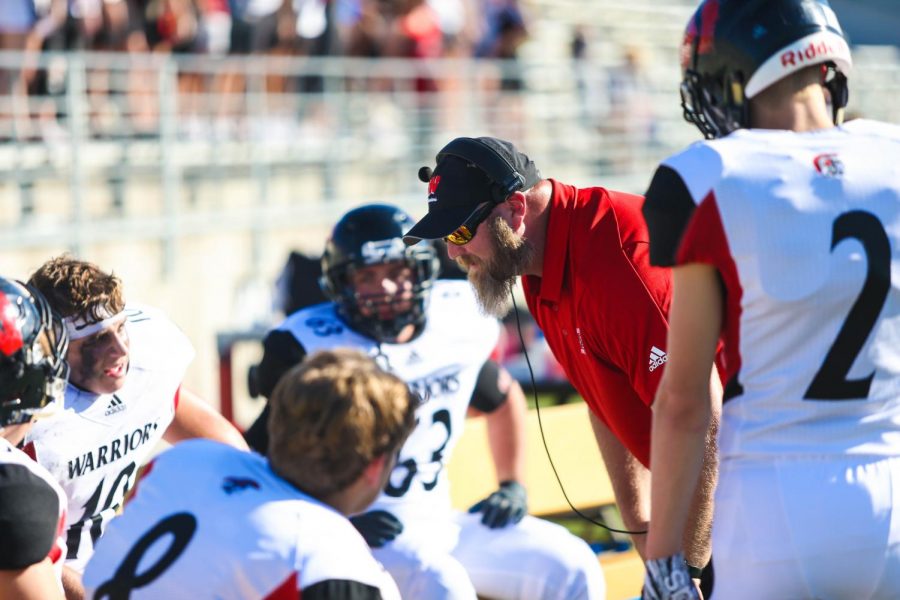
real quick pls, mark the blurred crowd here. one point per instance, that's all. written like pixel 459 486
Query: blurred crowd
pixel 412 29
pixel 370 28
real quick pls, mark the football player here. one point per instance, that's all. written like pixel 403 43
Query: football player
pixel 784 233
pixel 387 302
pixel 124 395
pixel 253 528
pixel 32 505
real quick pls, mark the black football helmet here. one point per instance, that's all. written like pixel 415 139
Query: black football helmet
pixel 368 235
pixel 33 344
pixel 734 49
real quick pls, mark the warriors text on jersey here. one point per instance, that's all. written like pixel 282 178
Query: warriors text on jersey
pixel 804 229
pixel 241 532
pixel 32 512
pixel 444 380
pixel 95 445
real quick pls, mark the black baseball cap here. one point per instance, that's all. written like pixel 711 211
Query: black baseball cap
pixel 470 172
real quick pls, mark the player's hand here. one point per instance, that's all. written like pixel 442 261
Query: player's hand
pixel 668 579
pixel 377 527
pixel 507 506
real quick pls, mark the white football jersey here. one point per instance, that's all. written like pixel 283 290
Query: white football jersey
pixel 94 446
pixel 211 521
pixel 804 229
pixel 441 365
pixel 13 458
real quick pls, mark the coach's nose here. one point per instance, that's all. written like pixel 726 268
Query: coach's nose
pixel 453 251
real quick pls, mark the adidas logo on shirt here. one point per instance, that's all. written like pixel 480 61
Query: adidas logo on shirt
pixel 657 358
pixel 115 406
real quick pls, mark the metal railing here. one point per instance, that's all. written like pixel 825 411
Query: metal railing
pixel 155 147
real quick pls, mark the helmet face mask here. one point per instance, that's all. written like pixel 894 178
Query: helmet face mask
pixel 712 104
pixel 735 49
pixel 33 344
pixel 373 235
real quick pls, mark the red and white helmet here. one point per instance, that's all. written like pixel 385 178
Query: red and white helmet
pixel 33 344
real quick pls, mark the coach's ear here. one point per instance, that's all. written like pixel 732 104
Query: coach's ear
pixel 513 210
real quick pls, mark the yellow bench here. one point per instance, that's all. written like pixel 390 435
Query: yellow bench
pixel 577 459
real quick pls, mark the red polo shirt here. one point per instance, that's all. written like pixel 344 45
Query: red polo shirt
pixel 603 308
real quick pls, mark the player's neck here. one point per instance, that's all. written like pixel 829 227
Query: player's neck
pixel 805 110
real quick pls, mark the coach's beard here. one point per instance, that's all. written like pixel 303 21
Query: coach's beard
pixel 493 279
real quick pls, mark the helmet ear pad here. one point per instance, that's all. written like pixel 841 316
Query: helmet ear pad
pixel 369 235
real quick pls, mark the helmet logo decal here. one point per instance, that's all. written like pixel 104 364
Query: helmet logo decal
pixel 433 184
pixel 829 165
pixel 10 336
pixel 708 26
pixel 809 54
pixel 379 251
pixel 705 30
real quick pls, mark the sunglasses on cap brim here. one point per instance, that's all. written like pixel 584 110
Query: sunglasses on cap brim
pixel 466 232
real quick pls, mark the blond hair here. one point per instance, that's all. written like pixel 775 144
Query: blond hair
pixel 332 415
pixel 77 288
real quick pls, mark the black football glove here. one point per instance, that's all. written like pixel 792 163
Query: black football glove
pixel 507 506
pixel 377 527
pixel 669 579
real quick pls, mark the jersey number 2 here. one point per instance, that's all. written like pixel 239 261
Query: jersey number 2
pixel 831 382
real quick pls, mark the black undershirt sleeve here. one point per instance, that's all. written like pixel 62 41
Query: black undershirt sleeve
pixel 491 387
pixel 29 515
pixel 281 352
pixel 667 209
pixel 340 589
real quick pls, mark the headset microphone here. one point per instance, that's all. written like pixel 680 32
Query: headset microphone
pixel 425 174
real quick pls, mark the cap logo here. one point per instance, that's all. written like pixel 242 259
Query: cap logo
pixel 10 336
pixel 433 184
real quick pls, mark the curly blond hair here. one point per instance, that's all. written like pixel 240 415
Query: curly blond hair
pixel 332 415
pixel 77 288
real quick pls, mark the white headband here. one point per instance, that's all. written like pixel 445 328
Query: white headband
pixel 80 327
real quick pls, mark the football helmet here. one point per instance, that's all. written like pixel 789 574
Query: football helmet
pixel 33 344
pixel 734 49
pixel 368 235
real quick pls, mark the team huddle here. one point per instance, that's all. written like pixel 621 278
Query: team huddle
pixel 733 333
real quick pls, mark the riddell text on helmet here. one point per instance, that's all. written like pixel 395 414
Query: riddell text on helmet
pixel 813 51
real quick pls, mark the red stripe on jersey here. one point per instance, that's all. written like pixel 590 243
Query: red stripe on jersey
pixel 30 450
pixel 286 591
pixel 177 397
pixel 705 242
pixel 56 551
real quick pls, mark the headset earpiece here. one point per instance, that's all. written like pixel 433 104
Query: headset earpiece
pixel 499 170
